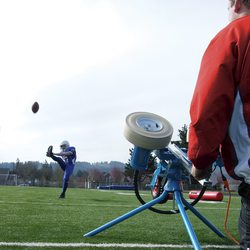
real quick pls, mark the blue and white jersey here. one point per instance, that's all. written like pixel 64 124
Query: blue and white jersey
pixel 71 159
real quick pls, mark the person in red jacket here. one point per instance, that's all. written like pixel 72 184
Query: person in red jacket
pixel 220 108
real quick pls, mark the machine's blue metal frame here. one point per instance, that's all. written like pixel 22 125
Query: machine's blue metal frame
pixel 139 160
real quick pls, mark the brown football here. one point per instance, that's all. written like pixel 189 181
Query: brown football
pixel 35 107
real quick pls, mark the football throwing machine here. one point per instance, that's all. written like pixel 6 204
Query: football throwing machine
pixel 151 135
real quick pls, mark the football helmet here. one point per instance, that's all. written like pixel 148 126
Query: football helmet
pixel 64 145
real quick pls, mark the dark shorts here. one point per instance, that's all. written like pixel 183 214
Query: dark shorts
pixel 244 219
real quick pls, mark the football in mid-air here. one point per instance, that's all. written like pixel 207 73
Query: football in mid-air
pixel 35 107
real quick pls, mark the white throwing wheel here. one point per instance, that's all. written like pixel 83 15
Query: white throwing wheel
pixel 147 130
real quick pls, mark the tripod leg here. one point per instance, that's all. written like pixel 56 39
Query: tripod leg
pixel 203 219
pixel 186 221
pixel 128 215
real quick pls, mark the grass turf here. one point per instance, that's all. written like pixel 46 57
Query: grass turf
pixel 33 214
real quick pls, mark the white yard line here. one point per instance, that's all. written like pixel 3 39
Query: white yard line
pixel 110 245
pixel 102 205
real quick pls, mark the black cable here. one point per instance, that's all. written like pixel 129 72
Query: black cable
pixel 173 211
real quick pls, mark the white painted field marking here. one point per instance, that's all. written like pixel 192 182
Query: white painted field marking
pixel 101 205
pixel 131 194
pixel 110 245
pixel 67 205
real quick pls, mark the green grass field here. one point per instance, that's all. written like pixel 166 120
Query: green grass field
pixel 32 214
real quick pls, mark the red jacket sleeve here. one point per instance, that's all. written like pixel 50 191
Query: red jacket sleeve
pixel 213 99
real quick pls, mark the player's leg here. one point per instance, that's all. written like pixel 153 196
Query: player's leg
pixel 49 152
pixel 244 219
pixel 244 223
pixel 67 173
pixel 59 160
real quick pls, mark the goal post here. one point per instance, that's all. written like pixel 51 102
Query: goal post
pixel 8 179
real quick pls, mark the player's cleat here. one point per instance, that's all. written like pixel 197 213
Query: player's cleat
pixel 62 196
pixel 157 188
pixel 49 152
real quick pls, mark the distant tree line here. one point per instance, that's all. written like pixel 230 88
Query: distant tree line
pixel 34 173
pixel 85 175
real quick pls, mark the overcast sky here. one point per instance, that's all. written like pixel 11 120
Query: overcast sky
pixel 90 63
